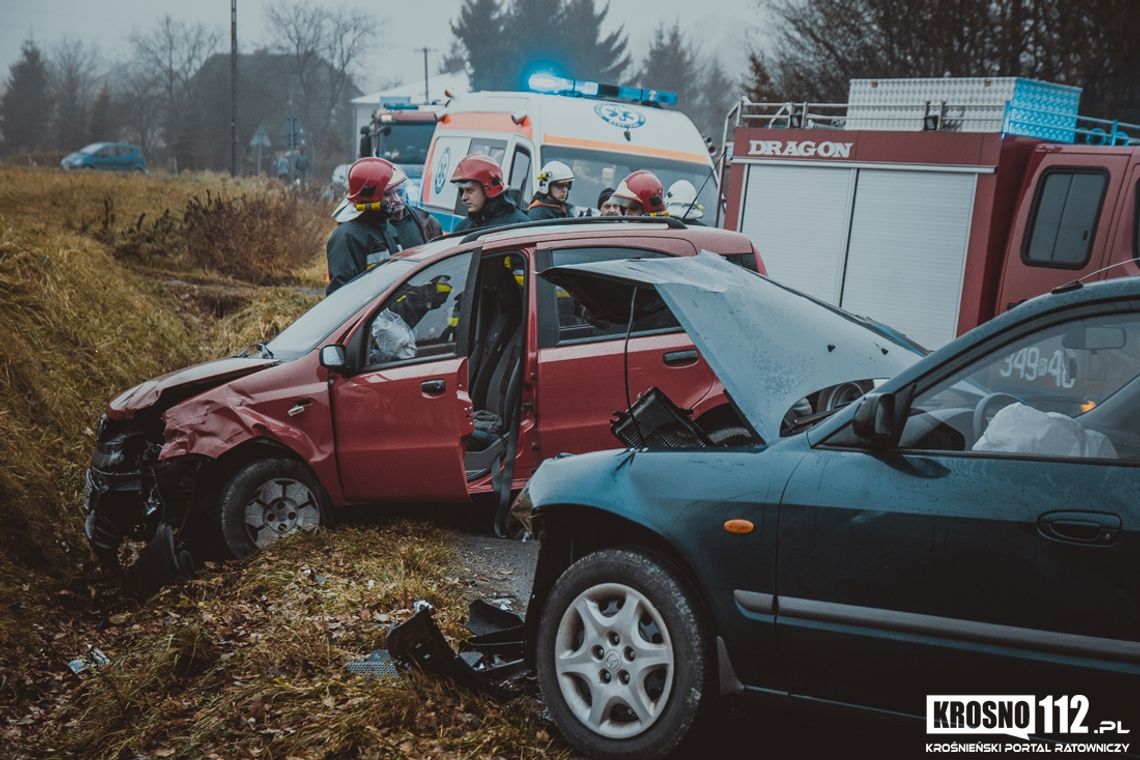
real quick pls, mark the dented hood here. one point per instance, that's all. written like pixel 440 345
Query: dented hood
pixel 768 344
pixel 183 383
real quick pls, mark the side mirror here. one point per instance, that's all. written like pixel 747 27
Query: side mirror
pixel 1095 338
pixel 879 419
pixel 334 358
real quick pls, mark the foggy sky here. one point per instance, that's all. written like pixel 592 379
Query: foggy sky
pixel 724 27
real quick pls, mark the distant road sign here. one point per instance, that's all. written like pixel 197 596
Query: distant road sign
pixel 260 139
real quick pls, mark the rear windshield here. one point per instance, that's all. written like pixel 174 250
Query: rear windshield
pixel 595 170
pixel 317 323
pixel 407 143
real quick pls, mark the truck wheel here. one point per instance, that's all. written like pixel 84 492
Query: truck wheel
pixel 265 500
pixel 622 656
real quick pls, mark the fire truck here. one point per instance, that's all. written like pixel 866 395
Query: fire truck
pixel 935 204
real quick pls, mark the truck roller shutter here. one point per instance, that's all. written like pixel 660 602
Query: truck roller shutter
pixel 907 252
pixel 798 218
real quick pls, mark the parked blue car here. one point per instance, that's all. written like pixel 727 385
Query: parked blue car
pixel 970 527
pixel 120 157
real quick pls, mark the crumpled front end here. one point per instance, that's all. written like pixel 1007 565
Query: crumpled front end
pixel 129 495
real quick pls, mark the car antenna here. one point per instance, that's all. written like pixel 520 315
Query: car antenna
pixel 1074 284
pixel 712 172
pixel 625 367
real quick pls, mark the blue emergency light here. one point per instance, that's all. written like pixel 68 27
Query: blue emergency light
pixel 564 86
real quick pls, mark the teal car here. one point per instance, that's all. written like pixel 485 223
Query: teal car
pixel 119 157
pixel 969 527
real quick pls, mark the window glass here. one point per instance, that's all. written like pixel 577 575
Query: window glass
pixel 595 170
pixel 421 319
pixel 405 142
pixel 1070 390
pixel 520 173
pixel 1064 221
pixel 570 321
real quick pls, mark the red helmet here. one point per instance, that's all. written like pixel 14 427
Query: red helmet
pixel 642 188
pixel 368 178
pixel 482 169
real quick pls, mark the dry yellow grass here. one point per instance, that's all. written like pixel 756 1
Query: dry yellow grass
pixel 247 661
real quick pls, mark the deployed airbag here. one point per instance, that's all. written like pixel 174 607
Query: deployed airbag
pixel 1021 429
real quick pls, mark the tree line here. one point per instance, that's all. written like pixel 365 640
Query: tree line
pixel 816 46
pixel 170 92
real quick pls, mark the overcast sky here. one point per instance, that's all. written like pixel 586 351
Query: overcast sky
pixel 724 27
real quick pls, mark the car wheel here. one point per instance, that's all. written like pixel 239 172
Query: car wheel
pixel 266 500
pixel 622 656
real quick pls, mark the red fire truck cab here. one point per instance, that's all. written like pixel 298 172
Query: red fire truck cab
pixel 934 205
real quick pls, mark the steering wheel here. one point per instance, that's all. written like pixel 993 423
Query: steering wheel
pixel 981 411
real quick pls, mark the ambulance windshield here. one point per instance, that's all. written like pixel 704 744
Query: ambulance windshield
pixel 595 170
pixel 407 142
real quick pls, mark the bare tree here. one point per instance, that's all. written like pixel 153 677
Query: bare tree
pixel 73 71
pixel 324 47
pixel 166 57
pixel 822 44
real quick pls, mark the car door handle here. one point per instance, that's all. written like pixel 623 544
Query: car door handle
pixel 1095 528
pixel 299 407
pixel 680 358
pixel 433 387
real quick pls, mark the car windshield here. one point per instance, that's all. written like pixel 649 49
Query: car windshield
pixel 315 325
pixel 595 170
pixel 407 143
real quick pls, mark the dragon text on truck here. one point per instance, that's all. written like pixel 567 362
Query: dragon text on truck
pixel 603 132
pixel 935 204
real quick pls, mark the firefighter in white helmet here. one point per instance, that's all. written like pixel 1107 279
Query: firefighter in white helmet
pixel 681 202
pixel 551 200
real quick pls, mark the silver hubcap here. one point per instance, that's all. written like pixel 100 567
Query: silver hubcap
pixel 614 660
pixel 280 507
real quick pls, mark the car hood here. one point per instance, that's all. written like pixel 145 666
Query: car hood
pixel 770 345
pixel 183 383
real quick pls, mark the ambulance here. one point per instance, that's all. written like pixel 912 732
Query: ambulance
pixel 603 132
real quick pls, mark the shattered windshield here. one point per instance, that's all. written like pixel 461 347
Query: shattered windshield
pixel 315 325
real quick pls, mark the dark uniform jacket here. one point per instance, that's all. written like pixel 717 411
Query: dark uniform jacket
pixel 542 207
pixel 496 212
pixel 356 245
pixel 416 228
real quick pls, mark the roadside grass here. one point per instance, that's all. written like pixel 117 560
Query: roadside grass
pixel 251 659
pixel 96 295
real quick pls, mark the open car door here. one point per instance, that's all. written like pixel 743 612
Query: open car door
pixel 401 421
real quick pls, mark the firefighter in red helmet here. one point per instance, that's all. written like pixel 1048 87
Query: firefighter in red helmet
pixel 364 236
pixel 640 194
pixel 483 192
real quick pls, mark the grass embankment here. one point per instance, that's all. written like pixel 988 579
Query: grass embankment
pixel 107 280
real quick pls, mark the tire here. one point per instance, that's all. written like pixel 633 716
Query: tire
pixel 655 671
pixel 265 500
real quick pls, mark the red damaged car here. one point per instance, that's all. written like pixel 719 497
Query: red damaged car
pixel 448 372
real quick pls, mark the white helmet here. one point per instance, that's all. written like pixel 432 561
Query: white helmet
pixel 681 201
pixel 553 171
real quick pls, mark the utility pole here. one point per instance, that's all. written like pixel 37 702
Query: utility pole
pixel 427 95
pixel 233 88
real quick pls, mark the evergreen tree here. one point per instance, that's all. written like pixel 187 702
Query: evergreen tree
pixel 26 107
pixel 671 64
pixel 101 122
pixel 480 29
pixel 593 56
pixel 538 40
pixel 455 60
pixel 758 85
pixel 717 96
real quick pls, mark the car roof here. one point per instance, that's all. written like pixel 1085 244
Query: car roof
pixel 711 238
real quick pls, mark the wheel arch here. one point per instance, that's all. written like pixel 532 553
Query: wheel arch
pixel 571 531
